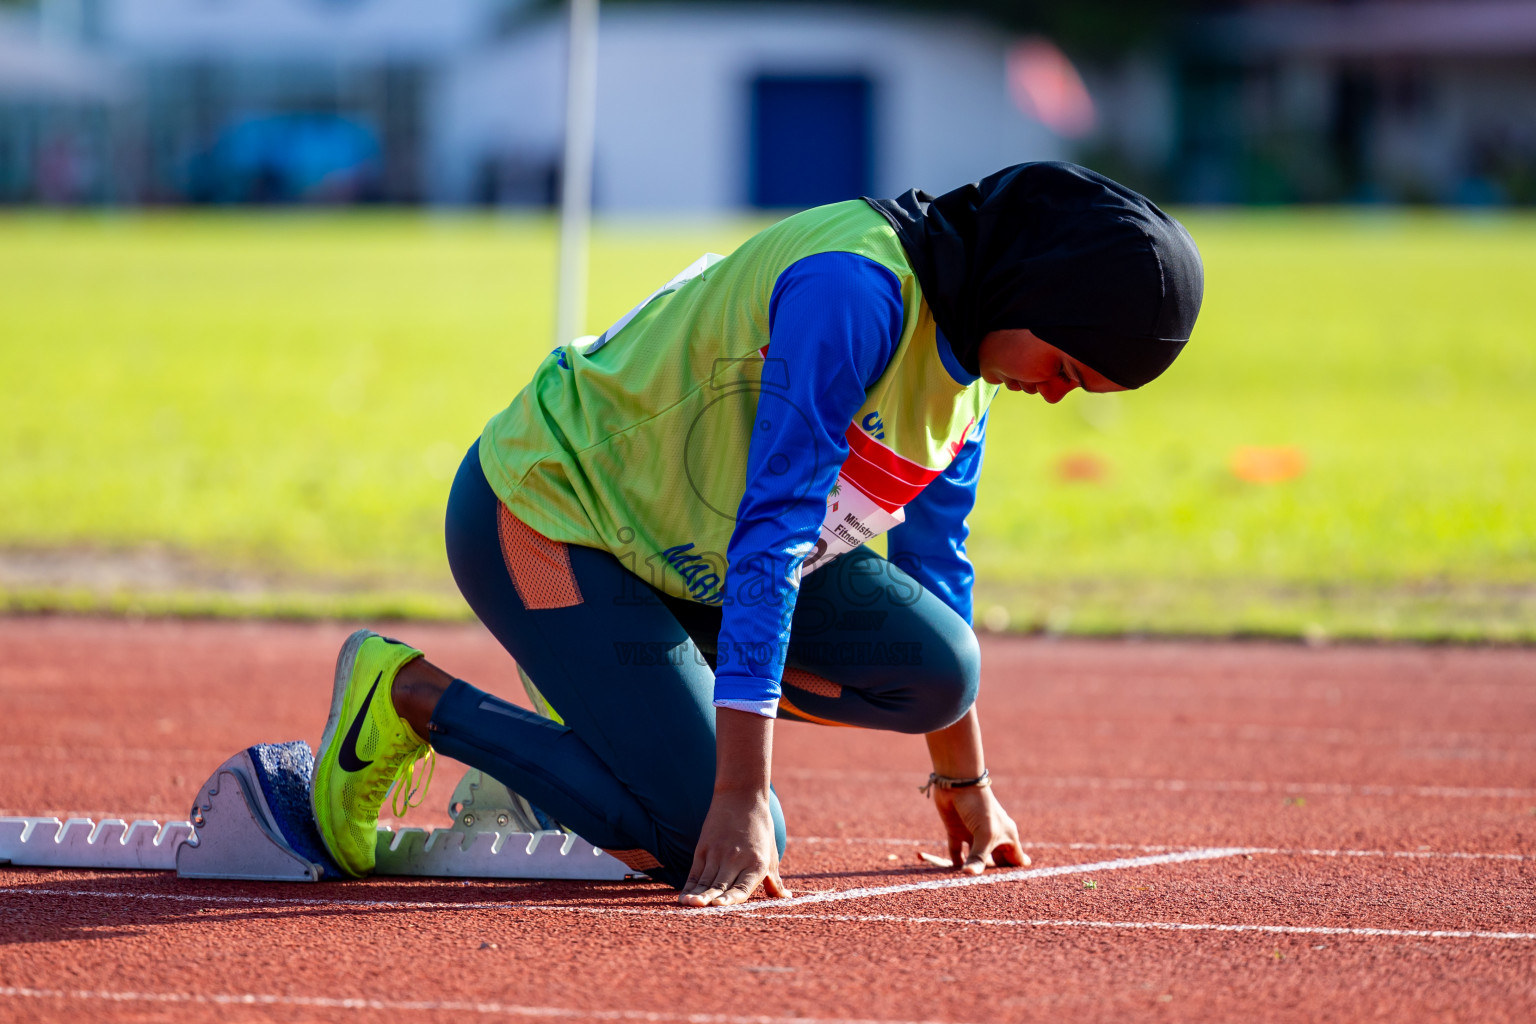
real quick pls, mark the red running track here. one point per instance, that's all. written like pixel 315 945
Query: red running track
pixel 1270 832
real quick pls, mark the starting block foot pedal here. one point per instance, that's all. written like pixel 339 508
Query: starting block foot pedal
pixel 253 820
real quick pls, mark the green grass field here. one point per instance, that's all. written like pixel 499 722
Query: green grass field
pixel 283 399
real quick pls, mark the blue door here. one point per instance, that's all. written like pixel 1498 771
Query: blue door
pixel 811 139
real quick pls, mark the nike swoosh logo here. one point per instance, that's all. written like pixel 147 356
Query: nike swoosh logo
pixel 347 756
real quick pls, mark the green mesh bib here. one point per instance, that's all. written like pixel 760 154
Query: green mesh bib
pixel 636 442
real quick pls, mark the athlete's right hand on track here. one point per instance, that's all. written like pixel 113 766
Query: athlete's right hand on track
pixel 736 853
pixel 973 816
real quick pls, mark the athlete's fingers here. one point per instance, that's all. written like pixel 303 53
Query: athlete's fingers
pixel 1004 844
pixel 736 892
pixel 707 893
pixel 711 897
pixel 1008 850
pixel 995 849
pixel 696 878
pixel 699 869
pixel 741 888
pixel 704 895
pixel 700 881
pixel 720 894
pixel 955 829
pixel 976 863
pixel 734 887
pixel 774 886
pixel 698 899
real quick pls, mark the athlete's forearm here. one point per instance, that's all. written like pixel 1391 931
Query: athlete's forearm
pixel 956 750
pixel 736 849
pixel 743 752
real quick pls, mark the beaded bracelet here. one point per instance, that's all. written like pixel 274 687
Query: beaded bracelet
pixel 982 781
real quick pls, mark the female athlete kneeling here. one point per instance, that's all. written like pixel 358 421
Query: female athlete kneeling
pixel 666 528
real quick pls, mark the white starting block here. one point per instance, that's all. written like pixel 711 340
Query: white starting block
pixel 495 834
pixel 252 822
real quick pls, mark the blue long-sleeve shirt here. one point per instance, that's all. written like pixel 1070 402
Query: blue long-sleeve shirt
pixel 835 320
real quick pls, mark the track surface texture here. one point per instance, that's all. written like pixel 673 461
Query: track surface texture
pixel 1219 831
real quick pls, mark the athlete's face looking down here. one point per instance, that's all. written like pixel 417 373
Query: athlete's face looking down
pixel 1019 361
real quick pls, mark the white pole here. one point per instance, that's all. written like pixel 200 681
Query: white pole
pixel 576 181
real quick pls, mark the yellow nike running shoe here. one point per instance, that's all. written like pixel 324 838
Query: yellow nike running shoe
pixel 355 768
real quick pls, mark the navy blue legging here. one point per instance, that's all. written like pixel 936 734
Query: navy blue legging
pixel 629 669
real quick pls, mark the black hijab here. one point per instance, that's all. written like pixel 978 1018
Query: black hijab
pixel 1084 263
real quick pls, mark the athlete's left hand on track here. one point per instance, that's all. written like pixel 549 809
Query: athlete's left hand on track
pixel 973 816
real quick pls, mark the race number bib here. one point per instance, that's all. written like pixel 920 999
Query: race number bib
pixel 852 518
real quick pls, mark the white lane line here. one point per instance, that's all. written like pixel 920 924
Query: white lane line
pixel 830 896
pixel 759 909
pixel 952 882
pixel 1167 926
pixel 1163 847
pixel 753 911
pixel 296 901
pixel 487 1008
pixel 1394 854
pixel 1196 785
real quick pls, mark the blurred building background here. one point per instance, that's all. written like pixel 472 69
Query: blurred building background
pixel 710 106
pixel 1401 101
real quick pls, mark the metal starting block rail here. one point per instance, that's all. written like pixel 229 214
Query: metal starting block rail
pixel 252 821
pixel 81 842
